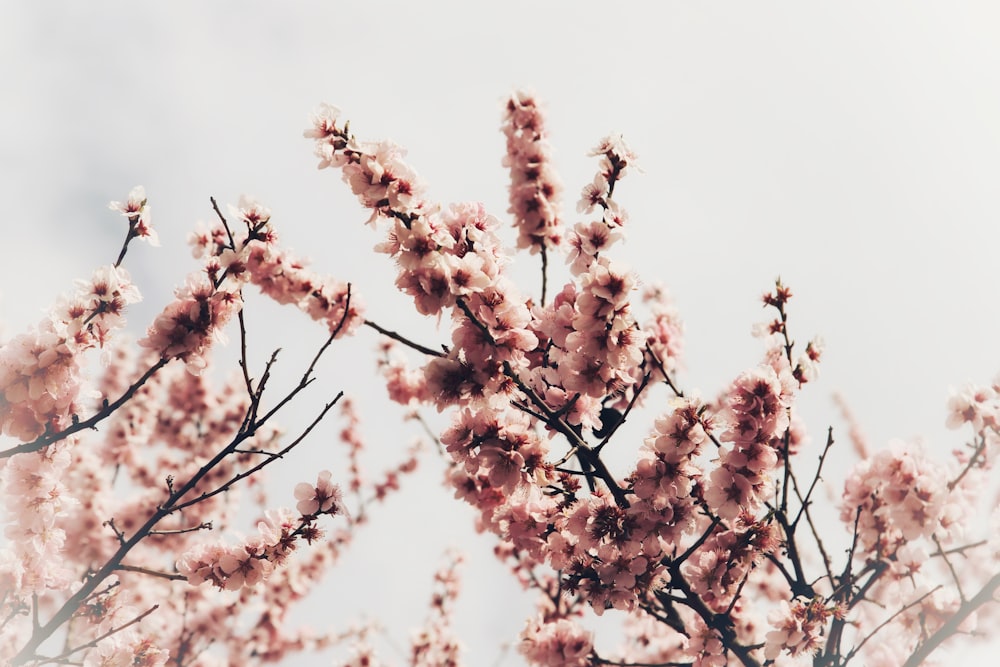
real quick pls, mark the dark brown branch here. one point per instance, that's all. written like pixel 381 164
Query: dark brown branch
pixel 225 223
pixel 614 663
pixel 250 471
pixel 132 222
pixel 405 341
pixel 207 525
pixel 584 452
pixel 718 622
pixel 545 272
pixel 628 409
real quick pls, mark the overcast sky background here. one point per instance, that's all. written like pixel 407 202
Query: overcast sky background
pixel 852 148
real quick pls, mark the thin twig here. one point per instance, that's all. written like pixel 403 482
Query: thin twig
pixel 545 273
pixel 225 223
pixel 951 568
pixel 170 576
pixel 250 471
pixel 405 341
pixel 980 448
pixel 854 651
pixel 206 525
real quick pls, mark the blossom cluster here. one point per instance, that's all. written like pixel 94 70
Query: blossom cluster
pixel 534 186
pixel 122 509
pixel 898 496
pixel 757 414
pixel 251 562
pixel 40 370
pixel 706 538
pixel 703 526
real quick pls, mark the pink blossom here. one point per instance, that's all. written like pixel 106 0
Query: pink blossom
pixel 185 329
pixel 139 215
pixel 978 406
pixel 534 187
pixel 250 211
pixel 132 207
pixel 322 498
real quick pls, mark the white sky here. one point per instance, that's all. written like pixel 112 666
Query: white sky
pixel 851 147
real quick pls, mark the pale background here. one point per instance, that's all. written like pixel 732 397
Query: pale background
pixel 851 147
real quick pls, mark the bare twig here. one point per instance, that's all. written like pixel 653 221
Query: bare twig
pixel 857 647
pixel 170 576
pixel 405 341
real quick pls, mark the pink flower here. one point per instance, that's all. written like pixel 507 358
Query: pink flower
pixel 978 406
pixel 132 207
pixel 322 498
pixel 730 492
pixel 324 121
pixel 186 327
pixel 244 565
pixel 139 215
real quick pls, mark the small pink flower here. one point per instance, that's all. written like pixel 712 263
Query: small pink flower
pixel 132 207
pixel 322 498
pixel 250 211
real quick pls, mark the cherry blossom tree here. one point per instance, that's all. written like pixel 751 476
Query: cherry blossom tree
pixel 712 547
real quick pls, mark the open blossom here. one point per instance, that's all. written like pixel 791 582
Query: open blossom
pixel 226 567
pixel 98 307
pixel 253 560
pixel 37 500
pixel 131 207
pixel 324 497
pixel 807 366
pixel 978 406
pixel 756 415
pixel 617 159
pixel 40 369
pixel 139 214
pixel 899 496
pixel 250 211
pixel 288 280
